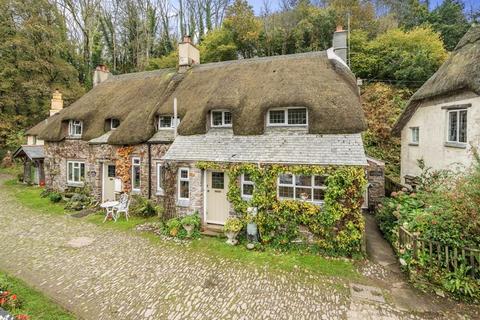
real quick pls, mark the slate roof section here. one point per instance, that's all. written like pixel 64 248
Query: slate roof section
pixel 284 148
pixel 32 152
pixel 103 139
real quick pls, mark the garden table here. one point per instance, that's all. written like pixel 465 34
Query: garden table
pixel 109 207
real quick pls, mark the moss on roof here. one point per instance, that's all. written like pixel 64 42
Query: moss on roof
pixel 460 73
pixel 247 87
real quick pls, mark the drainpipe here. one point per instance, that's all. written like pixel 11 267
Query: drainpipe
pixel 149 150
pixel 175 117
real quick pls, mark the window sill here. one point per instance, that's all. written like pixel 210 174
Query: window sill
pixel 458 145
pixel 136 191
pixel 75 184
pixel 74 137
pixel 413 144
pixel 160 193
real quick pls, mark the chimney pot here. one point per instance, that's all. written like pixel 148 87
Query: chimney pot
pixel 188 54
pixel 56 102
pixel 339 28
pixel 100 74
pixel 187 39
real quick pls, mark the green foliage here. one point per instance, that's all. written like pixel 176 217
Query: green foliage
pixel 55 197
pixel 191 219
pixel 218 45
pixel 163 62
pixel 337 225
pixel 143 207
pixel 233 225
pixel 173 227
pixel 460 284
pixel 408 58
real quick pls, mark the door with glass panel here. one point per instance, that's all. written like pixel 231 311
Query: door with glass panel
pixel 218 207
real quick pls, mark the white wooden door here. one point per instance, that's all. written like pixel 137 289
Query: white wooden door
pixel 218 207
pixel 108 182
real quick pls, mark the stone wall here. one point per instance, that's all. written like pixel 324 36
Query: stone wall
pixel 376 180
pixel 57 154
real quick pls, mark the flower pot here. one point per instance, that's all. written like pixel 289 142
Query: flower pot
pixel 231 237
pixel 189 228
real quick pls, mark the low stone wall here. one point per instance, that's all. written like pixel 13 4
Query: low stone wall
pixel 376 180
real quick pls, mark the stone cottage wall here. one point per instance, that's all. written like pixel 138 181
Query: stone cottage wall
pixel 376 180
pixel 58 153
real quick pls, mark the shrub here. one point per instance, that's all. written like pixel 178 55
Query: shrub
pixel 460 284
pixel 233 225
pixel 55 197
pixel 173 227
pixel 191 219
pixel 143 207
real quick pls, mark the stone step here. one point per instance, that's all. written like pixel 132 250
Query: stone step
pixel 212 230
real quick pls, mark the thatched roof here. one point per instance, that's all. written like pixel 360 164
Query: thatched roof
pixel 246 87
pixel 35 130
pixel 459 74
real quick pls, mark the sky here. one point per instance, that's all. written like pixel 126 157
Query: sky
pixel 257 4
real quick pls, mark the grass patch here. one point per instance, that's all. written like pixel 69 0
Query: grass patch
pixel 121 223
pixel 288 261
pixel 29 196
pixel 34 303
pixel 14 170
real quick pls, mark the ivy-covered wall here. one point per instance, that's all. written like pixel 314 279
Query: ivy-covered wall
pixel 337 226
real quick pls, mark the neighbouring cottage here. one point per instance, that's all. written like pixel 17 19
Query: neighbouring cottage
pixel 441 123
pixel 280 133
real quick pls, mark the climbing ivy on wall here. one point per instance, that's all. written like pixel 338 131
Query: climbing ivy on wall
pixel 123 166
pixel 337 225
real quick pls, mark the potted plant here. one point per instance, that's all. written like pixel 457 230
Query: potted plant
pixel 232 227
pixel 190 222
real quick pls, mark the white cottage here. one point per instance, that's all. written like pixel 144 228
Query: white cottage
pixel 441 123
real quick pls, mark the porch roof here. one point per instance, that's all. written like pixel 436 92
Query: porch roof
pixel 284 148
pixel 32 152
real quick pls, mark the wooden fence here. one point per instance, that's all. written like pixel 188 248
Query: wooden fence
pixel 443 256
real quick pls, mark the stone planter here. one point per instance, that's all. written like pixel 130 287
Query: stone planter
pixel 189 228
pixel 232 237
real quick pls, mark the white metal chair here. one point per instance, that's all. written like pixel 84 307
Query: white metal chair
pixel 124 204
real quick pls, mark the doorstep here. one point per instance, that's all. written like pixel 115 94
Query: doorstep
pixel 213 230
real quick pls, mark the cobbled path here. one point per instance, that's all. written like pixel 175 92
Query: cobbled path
pixel 123 276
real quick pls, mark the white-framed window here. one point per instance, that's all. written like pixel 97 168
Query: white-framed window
pixel 291 116
pixel 160 178
pixel 75 128
pixel 221 118
pixel 457 126
pixel 136 174
pixel 414 135
pixel 303 188
pixel 167 122
pixel 247 186
pixel 183 184
pixel 114 123
pixel 75 172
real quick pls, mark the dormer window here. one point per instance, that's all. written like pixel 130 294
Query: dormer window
pixel 221 118
pixel 75 128
pixel 114 123
pixel 167 122
pixel 292 116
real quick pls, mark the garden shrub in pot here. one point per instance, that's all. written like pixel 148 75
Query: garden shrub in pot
pixel 232 227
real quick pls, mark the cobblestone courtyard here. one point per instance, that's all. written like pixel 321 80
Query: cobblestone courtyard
pixel 99 273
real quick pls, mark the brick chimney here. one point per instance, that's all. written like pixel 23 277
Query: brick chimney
pixel 188 54
pixel 56 102
pixel 100 74
pixel 340 47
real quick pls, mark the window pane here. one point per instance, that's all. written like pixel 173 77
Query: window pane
pixel 452 126
pixel 76 174
pixel 184 174
pixel 217 118
pixel 70 171
pixel 114 123
pixel 111 171
pixel 318 194
pixel 462 135
pixel 320 181
pixel 303 180
pixel 277 116
pixel 286 179
pixel 246 177
pixel 217 180
pixel 136 177
pixel 228 117
pixel 285 192
pixel 165 122
pixel 247 189
pixel 303 193
pixel 297 116
pixel 184 192
pixel 159 177
pixel 82 170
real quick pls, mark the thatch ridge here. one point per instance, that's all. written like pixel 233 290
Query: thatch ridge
pixel 247 87
pixel 36 129
pixel 460 73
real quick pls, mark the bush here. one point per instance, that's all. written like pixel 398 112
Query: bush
pixel 173 227
pixel 55 197
pixel 143 207
pixel 233 225
pixel 191 219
